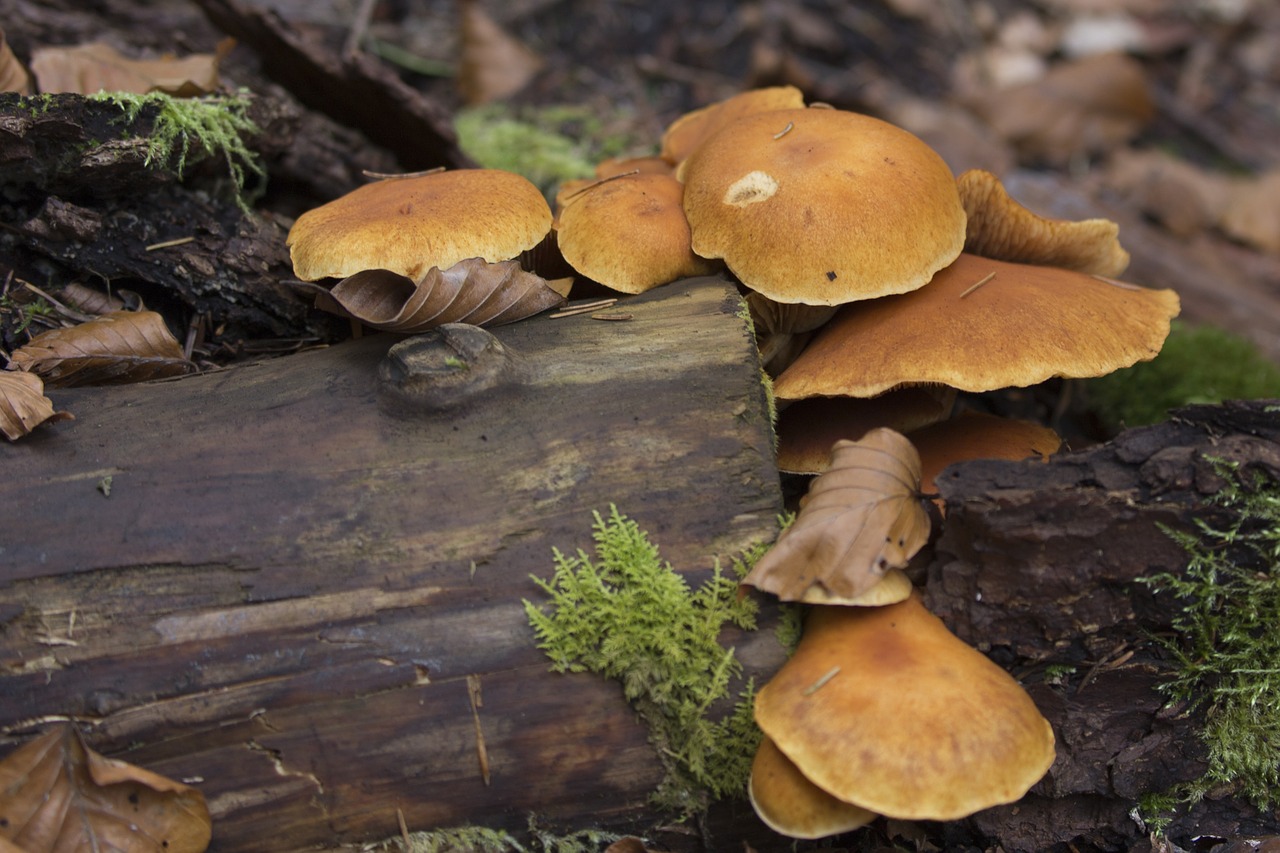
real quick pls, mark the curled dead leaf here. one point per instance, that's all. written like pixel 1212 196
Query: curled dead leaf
pixel 863 516
pixel 56 794
pixel 23 405
pixel 89 68
pixel 493 65
pixel 471 291
pixel 123 346
pixel 13 76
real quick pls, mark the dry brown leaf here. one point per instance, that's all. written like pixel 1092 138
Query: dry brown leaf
pixel 23 405
pixel 493 65
pixel 123 346
pixel 13 77
pixel 58 795
pixel 863 516
pixel 471 291
pixel 1084 107
pixel 89 68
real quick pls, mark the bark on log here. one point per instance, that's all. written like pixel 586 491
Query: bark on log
pixel 291 579
pixel 1038 565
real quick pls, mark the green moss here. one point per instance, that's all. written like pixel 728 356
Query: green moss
pixel 1199 364
pixel 1228 649
pixel 627 615
pixel 478 839
pixel 214 125
pixel 547 145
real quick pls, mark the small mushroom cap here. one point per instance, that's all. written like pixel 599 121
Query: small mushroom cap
pixel 629 233
pixel 883 707
pixel 808 428
pixel 980 325
pixel 822 206
pixel 791 805
pixel 893 587
pixel 691 129
pixel 408 225
pixel 975 435
pixel 1001 228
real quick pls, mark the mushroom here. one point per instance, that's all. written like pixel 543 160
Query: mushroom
pixel 629 233
pixel 409 224
pixel 975 435
pixel 886 709
pixel 1001 228
pixel 790 804
pixel 690 130
pixel 807 429
pixel 822 206
pixel 983 324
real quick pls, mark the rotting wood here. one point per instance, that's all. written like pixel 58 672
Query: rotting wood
pixel 1038 565
pixel 288 588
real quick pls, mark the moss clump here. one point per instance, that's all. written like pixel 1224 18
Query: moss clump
pixel 1228 651
pixel 479 839
pixel 548 145
pixel 211 126
pixel 1199 364
pixel 627 615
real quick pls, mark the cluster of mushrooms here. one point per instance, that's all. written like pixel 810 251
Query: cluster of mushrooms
pixel 881 286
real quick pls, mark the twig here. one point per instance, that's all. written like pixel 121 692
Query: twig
pixel 986 278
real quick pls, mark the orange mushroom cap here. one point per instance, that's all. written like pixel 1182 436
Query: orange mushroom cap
pixel 629 233
pixel 884 708
pixel 980 325
pixel 408 225
pixel 822 206
pixel 690 130
pixel 1001 228
pixel 791 805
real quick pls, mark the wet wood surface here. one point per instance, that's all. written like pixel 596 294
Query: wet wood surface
pixel 277 581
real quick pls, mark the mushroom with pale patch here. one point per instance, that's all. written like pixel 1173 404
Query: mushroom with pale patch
pixel 885 709
pixel 822 206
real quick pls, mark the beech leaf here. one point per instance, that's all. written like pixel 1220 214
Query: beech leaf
pixel 58 795
pixel 471 291
pixel 23 405
pixel 863 516
pixel 493 65
pixel 123 346
pixel 13 77
pixel 97 67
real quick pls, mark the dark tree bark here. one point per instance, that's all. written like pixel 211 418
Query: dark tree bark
pixel 1039 564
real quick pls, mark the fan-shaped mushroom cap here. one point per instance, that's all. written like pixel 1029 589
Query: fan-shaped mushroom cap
pixel 883 707
pixel 791 805
pixel 980 325
pixel 629 233
pixel 1001 228
pixel 822 206
pixel 408 225
pixel 691 129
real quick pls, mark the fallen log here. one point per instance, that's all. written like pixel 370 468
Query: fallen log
pixel 286 580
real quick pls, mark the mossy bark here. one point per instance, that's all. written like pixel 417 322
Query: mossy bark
pixel 1040 565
